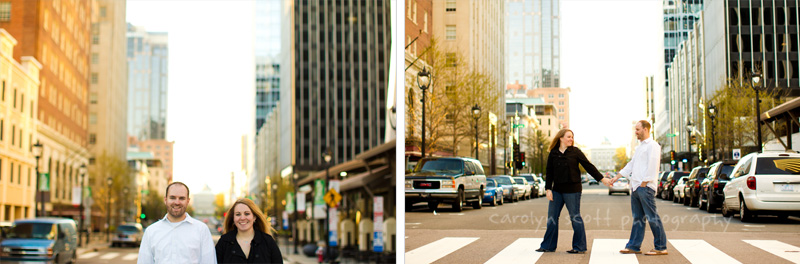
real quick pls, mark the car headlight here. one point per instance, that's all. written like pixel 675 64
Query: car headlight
pixel 449 184
pixel 6 249
pixel 409 183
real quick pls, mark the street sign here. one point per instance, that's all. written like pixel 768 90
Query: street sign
pixel 44 182
pixel 670 135
pixel 737 154
pixel 519 126
pixel 377 218
pixel 332 198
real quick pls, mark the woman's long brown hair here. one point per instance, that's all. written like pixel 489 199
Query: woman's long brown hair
pixel 557 139
pixel 260 221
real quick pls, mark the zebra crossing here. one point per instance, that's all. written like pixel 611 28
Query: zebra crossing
pixel 601 251
pixel 109 256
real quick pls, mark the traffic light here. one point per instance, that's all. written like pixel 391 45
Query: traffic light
pixel 142 216
pixel 522 159
pixel 672 155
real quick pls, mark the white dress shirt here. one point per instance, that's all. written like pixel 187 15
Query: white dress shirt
pixel 644 165
pixel 187 241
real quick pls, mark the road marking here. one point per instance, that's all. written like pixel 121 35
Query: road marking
pixel 521 251
pixel 780 249
pixel 437 249
pixel 413 223
pixel 110 255
pixel 699 251
pixel 607 251
pixel 131 256
pixel 456 214
pixel 89 255
pixel 754 226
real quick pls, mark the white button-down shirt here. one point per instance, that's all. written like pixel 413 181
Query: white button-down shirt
pixel 187 241
pixel 644 165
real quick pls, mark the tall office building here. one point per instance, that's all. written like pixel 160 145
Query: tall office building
pixel 267 51
pixel 341 70
pixel 108 88
pixel 679 19
pixel 147 83
pixel 532 43
pixel 57 34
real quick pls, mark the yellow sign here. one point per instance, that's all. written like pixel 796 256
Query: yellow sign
pixel 333 198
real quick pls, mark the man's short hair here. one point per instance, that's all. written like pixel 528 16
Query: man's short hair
pixel 166 194
pixel 645 124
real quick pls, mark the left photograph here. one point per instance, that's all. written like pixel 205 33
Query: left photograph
pixel 259 131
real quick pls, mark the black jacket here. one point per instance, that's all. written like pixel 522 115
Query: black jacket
pixel 563 174
pixel 263 249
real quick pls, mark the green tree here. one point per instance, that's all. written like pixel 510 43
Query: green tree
pixel 621 158
pixel 117 170
pixel 537 144
pixel 153 206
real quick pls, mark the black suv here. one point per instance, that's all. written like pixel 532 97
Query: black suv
pixel 692 188
pixel 711 188
pixel 662 179
pixel 452 180
pixel 669 184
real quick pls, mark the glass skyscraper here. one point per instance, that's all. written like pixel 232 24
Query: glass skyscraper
pixel 532 42
pixel 147 83
pixel 267 51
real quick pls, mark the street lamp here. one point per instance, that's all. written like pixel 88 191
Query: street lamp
pixel 125 210
pixel 756 76
pixel 275 208
pixel 109 181
pixel 327 157
pixel 689 129
pixel 424 81
pixel 504 127
pixel 37 153
pixel 82 171
pixel 712 114
pixel 295 214
pixel 476 114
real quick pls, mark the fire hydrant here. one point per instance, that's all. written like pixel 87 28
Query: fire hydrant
pixel 320 254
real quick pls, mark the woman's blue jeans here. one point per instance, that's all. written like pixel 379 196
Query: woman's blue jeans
pixel 573 202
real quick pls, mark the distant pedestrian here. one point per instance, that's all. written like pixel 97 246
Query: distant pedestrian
pixel 563 185
pixel 177 238
pixel 642 172
pixel 247 238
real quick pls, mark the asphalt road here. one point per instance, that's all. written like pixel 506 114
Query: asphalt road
pixel 693 235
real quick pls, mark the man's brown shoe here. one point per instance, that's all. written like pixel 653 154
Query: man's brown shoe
pixel 629 251
pixel 656 252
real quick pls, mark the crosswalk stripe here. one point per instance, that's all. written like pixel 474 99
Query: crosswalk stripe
pixel 607 251
pixel 437 249
pixel 700 251
pixel 131 256
pixel 780 249
pixel 521 251
pixel 110 255
pixel 88 255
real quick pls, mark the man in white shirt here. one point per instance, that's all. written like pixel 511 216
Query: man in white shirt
pixel 642 172
pixel 177 238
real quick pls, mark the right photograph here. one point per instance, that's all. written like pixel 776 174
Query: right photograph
pixel 637 131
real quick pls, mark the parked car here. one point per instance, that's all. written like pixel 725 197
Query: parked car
pixel 677 191
pixel 592 181
pixel 494 193
pixel 127 234
pixel 662 180
pixel 542 191
pixel 692 188
pixel 711 188
pixel 452 180
pixel 5 226
pixel 621 185
pixel 523 187
pixel 533 182
pixel 48 240
pixel 672 180
pixel 509 194
pixel 764 184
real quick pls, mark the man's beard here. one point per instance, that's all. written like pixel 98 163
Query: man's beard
pixel 178 214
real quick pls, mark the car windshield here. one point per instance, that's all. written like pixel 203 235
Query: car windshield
pixel 33 231
pixel 519 181
pixel 503 180
pixel 778 166
pixel 445 166
pixel 489 183
pixel 127 228
pixel 726 171
pixel 678 175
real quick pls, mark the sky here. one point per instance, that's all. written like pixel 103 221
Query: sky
pixel 607 50
pixel 211 93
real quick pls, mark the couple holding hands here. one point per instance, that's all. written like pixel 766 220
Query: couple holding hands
pixel 563 185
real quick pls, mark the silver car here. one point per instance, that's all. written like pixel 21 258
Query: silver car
pixel 127 234
pixel 521 185
pixel 621 186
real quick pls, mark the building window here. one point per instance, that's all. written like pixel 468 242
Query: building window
pixel 450 59
pixel 1 129
pixel 425 22
pixel 92 138
pixel 450 6
pixel 560 102
pixel 550 96
pixel 95 58
pixel 95 39
pixel 450 32
pixel 103 11
pixel 5 11
pixel 3 95
pixel 560 95
pixel 13 134
pixel 93 118
pixel 11 175
pixel 93 98
pixel 15 98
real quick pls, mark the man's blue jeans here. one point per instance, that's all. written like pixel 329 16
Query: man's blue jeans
pixel 573 202
pixel 643 204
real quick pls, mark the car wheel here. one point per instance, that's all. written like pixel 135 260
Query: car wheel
pixel 726 212
pixel 709 207
pixel 74 258
pixel 783 217
pixel 478 204
pixel 494 200
pixel 628 193
pixel 674 198
pixel 500 202
pixel 686 199
pixel 458 204
pixel 433 205
pixel 609 192
pixel 700 203
pixel 409 206
pixel 744 213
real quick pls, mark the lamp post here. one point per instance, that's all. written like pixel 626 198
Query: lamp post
pixel 327 157
pixel 109 181
pixel 504 127
pixel 712 114
pixel 689 129
pixel 82 171
pixel 125 210
pixel 423 81
pixel 756 76
pixel 476 114
pixel 295 213
pixel 37 153
pixel 275 208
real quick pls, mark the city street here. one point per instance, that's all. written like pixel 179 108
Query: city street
pixel 511 232
pixel 108 255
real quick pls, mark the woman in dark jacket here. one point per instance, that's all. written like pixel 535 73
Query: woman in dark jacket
pixel 248 238
pixel 563 185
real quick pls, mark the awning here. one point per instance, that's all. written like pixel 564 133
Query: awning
pixel 781 109
pixel 350 165
pixel 364 178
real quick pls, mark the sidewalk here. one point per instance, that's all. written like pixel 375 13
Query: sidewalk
pixel 97 242
pixel 287 250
